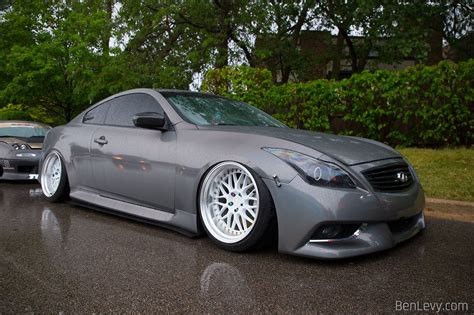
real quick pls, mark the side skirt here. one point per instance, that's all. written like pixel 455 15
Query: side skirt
pixel 180 221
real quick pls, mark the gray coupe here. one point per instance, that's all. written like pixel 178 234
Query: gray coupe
pixel 20 149
pixel 197 162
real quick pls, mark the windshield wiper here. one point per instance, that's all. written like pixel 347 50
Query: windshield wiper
pixel 224 124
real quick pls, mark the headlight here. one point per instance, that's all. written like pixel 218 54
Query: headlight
pixel 314 171
pixel 21 146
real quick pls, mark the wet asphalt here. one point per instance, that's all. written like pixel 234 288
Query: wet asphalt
pixel 67 258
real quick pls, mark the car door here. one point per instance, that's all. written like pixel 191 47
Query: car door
pixel 133 164
pixel 80 148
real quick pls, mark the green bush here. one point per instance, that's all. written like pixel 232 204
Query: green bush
pixel 421 106
pixel 19 112
pixel 14 112
pixel 424 106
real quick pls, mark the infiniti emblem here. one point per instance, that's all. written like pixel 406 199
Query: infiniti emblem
pixel 402 177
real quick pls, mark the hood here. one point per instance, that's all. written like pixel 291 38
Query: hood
pixel 348 150
pixel 33 145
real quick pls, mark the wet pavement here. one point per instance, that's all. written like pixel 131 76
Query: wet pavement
pixel 61 257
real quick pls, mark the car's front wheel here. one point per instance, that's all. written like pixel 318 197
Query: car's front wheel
pixel 54 181
pixel 235 207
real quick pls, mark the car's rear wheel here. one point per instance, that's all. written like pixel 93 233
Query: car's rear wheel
pixel 235 207
pixel 54 181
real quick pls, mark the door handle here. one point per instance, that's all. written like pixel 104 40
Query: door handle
pixel 101 140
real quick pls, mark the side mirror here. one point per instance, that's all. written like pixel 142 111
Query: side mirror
pixel 150 120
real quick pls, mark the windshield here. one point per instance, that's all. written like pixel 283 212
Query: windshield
pixel 22 130
pixel 206 110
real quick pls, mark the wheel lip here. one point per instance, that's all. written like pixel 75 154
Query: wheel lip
pixel 44 175
pixel 203 206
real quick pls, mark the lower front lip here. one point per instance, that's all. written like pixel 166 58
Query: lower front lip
pixel 370 238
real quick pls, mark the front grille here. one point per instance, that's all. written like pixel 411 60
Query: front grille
pixel 26 169
pixel 390 177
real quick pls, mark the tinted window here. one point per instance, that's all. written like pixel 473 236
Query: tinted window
pixel 96 115
pixel 123 108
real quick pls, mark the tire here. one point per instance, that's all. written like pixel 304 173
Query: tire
pixel 235 207
pixel 54 180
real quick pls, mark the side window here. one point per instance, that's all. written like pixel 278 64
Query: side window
pixel 123 108
pixel 96 115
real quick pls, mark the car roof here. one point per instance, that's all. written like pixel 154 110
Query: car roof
pixel 183 92
pixel 16 123
pixel 175 90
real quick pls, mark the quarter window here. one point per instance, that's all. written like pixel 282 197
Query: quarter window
pixel 96 115
pixel 123 108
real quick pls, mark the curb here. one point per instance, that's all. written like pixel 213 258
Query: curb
pixel 450 209
pixel 450 202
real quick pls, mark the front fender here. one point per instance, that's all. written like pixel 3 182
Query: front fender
pixel 198 151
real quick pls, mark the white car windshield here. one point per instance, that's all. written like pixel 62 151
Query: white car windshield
pixel 22 130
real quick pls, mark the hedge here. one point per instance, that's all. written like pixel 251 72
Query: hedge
pixel 19 112
pixel 14 112
pixel 419 106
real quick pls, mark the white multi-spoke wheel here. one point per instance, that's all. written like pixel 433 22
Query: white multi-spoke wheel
pixel 235 206
pixel 54 181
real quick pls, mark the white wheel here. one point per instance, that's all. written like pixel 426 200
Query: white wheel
pixel 229 202
pixel 51 174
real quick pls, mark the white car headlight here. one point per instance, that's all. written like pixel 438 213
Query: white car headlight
pixel 20 146
pixel 313 171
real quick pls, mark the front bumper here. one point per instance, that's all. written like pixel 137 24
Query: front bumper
pixel 385 219
pixel 19 168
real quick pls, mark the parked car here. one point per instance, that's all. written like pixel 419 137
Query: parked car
pixel 198 162
pixel 20 149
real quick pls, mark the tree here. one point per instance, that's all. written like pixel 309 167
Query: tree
pixel 278 37
pixel 157 50
pixel 226 27
pixel 372 26
pixel 57 62
pixel 458 26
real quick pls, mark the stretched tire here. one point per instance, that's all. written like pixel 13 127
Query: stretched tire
pixel 235 206
pixel 54 181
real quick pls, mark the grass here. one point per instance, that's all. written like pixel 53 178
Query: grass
pixel 445 173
